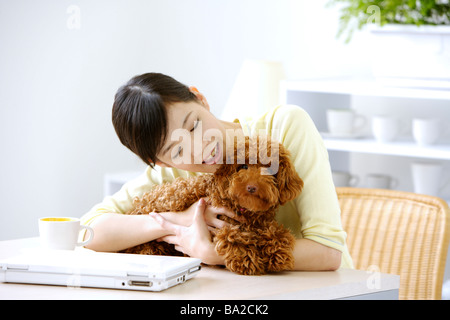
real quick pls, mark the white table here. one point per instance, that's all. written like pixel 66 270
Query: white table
pixel 219 284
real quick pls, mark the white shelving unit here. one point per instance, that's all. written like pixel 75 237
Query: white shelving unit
pixel 368 97
pixel 395 148
pixel 364 87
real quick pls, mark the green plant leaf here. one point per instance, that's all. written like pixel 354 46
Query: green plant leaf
pixel 355 14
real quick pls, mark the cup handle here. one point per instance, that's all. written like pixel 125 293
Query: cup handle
pixel 91 236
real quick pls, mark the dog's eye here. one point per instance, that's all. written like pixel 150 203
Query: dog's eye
pixel 244 166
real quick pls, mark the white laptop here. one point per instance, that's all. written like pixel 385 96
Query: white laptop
pixel 85 268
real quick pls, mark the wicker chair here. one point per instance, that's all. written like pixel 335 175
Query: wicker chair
pixel 401 233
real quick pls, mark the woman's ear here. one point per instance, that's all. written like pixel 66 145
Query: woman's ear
pixel 200 97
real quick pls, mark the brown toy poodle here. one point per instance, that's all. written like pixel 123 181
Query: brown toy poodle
pixel 253 189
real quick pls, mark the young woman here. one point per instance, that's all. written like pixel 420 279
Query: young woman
pixel 148 110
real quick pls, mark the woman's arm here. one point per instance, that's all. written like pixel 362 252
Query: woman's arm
pixel 313 256
pixel 115 231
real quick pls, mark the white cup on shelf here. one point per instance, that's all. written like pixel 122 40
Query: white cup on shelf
pixel 385 129
pixel 426 131
pixel 344 179
pixel 344 121
pixel 427 178
pixel 380 181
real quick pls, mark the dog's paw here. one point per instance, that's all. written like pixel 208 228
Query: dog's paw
pixel 280 260
pixel 278 248
pixel 248 262
pixel 240 251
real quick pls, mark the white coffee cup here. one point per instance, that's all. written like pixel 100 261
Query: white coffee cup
pixel 344 121
pixel 380 181
pixel 344 179
pixel 61 233
pixel 427 178
pixel 426 131
pixel 385 129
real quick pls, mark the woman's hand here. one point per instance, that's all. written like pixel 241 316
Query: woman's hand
pixel 194 240
pixel 211 216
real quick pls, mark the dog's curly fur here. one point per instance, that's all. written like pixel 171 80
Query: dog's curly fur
pixel 256 244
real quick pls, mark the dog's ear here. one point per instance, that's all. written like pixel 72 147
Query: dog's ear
pixel 289 182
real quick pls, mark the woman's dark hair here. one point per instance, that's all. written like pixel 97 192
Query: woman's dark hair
pixel 139 112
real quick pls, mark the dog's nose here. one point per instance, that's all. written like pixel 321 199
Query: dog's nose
pixel 251 188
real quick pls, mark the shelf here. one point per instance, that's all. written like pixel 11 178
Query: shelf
pixel 370 87
pixel 316 96
pixel 400 148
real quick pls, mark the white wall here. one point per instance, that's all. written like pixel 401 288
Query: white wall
pixel 57 84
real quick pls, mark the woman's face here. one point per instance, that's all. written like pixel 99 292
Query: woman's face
pixel 196 138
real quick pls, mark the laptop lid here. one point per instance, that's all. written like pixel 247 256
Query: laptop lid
pixel 87 268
